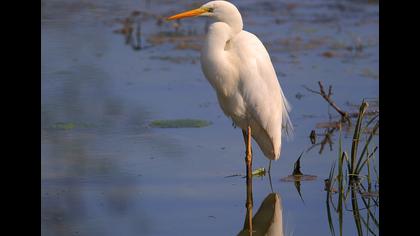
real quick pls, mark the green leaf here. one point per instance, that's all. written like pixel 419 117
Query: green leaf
pixel 259 172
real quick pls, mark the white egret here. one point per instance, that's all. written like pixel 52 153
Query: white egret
pixel 239 68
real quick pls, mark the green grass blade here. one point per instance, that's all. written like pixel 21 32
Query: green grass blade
pixel 369 156
pixel 356 136
pixel 358 168
pixel 340 181
pixel 330 179
pixel 367 226
pixel 356 213
pixel 370 121
pixel 373 217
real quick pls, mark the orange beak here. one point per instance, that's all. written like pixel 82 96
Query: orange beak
pixel 195 12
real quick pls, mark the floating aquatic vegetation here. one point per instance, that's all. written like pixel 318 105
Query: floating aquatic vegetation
pixel 176 59
pixel 297 176
pixel 180 123
pixel 70 125
pixel 293 178
pixel 328 54
pixel 63 125
pixel 332 124
pixel 368 73
pixel 297 173
pixel 183 40
pixel 259 172
pixel 188 46
pixel 297 44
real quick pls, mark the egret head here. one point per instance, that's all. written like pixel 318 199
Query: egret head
pixel 222 11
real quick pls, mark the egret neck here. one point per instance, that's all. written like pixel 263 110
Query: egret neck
pixel 221 31
pixel 215 59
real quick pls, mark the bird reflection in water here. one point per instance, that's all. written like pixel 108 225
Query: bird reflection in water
pixel 269 218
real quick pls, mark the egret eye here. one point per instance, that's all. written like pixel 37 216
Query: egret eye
pixel 210 9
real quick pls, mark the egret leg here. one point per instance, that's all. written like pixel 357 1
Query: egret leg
pixel 249 204
pixel 269 167
pixel 248 158
pixel 245 134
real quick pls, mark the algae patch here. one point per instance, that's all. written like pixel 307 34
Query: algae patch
pixel 181 123
pixel 64 125
pixel 70 125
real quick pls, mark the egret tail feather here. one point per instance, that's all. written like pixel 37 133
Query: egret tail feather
pixel 287 125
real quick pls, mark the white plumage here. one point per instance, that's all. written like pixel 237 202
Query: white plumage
pixel 239 68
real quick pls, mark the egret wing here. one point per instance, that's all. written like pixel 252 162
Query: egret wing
pixel 262 94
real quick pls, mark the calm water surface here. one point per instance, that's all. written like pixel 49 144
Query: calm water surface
pixel 105 171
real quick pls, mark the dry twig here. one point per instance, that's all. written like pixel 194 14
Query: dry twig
pixel 326 140
pixel 344 115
